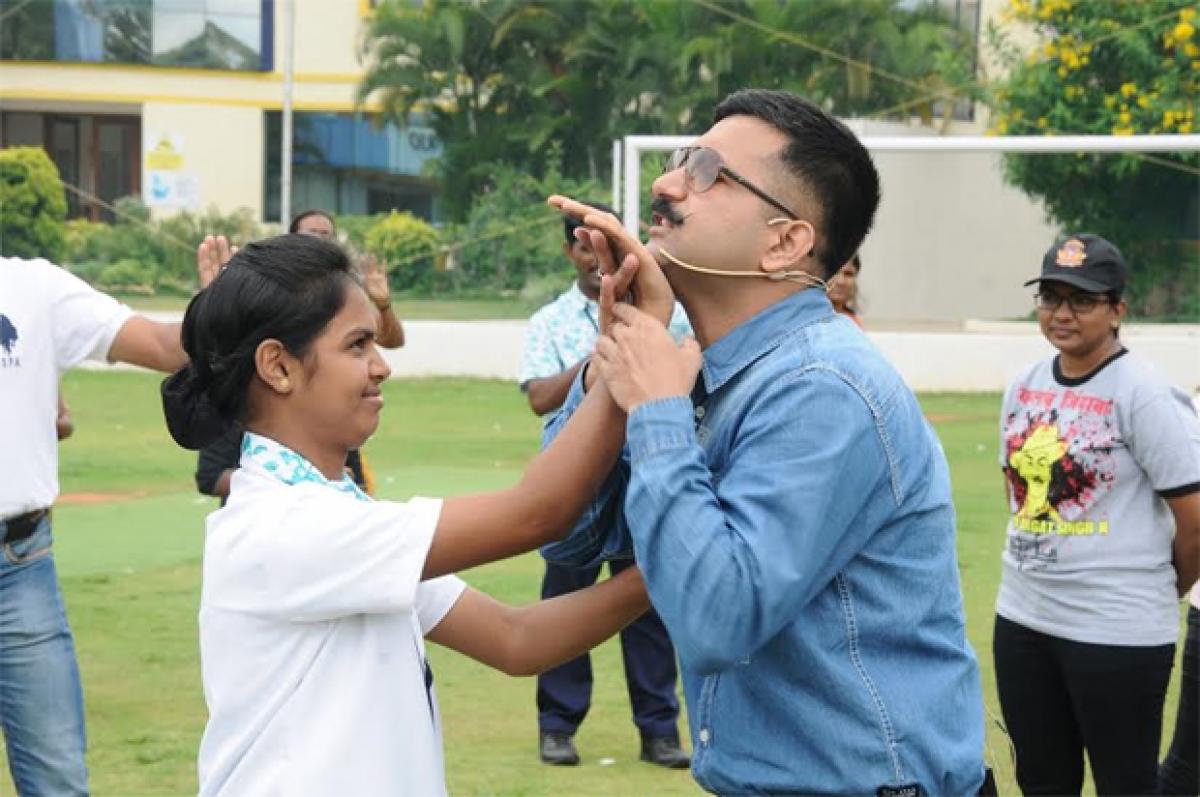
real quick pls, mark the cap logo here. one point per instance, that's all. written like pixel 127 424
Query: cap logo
pixel 1071 254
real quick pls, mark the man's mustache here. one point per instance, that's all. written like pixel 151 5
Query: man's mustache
pixel 664 208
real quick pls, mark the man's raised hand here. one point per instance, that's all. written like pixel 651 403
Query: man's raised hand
pixel 623 257
pixel 211 256
pixel 639 361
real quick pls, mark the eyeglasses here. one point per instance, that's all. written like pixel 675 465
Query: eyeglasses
pixel 1078 302
pixel 703 165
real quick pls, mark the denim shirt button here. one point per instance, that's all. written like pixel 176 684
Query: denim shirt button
pixel 699 413
pixel 704 736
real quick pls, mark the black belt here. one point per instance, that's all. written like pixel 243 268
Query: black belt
pixel 19 527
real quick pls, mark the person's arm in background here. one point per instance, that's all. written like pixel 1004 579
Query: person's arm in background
pixel 1163 436
pixel 391 331
pixel 1186 547
pixel 548 393
pixel 63 426
pixel 217 462
pixel 542 376
pixel 150 344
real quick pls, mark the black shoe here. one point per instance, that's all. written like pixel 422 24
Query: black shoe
pixel 665 752
pixel 558 749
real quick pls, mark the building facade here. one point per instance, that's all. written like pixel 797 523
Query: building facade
pixel 179 102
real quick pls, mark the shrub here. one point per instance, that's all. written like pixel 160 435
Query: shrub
pixel 165 250
pixel 129 276
pixel 32 204
pixel 408 246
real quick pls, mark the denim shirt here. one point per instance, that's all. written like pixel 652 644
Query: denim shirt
pixel 794 525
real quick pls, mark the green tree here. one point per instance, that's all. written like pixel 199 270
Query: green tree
pixel 32 204
pixel 1119 68
pixel 504 81
pixel 466 65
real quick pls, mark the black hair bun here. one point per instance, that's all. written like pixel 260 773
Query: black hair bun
pixel 192 419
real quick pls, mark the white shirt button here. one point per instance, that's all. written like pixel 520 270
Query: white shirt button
pixel 699 413
pixel 704 736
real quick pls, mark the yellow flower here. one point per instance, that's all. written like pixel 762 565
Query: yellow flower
pixel 1109 101
pixel 1186 127
pixel 1128 89
pixel 1143 101
pixel 1191 50
pixel 1122 131
pixel 1062 71
pixel 1124 117
pixel 1168 118
pixel 1183 31
pixel 1187 14
pixel 1042 122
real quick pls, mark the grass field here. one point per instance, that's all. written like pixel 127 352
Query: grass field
pixel 129 558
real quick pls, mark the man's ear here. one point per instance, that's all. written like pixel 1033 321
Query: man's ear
pixel 791 246
pixel 276 366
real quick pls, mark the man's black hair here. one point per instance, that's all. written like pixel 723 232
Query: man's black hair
pixel 828 159
pixel 570 222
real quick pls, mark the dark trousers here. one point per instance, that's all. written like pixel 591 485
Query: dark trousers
pixel 565 693
pixel 1060 698
pixel 1179 773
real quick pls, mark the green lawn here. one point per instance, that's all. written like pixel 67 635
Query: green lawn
pixel 514 308
pixel 131 573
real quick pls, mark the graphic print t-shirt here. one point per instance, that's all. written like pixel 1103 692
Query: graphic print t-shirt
pixel 1087 464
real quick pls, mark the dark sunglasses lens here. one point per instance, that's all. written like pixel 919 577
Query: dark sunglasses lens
pixel 703 168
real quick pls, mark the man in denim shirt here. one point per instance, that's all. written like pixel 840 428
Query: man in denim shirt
pixel 792 517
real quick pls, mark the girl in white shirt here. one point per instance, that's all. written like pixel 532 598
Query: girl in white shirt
pixel 316 599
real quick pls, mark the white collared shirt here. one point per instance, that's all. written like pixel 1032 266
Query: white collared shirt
pixel 50 320
pixel 312 618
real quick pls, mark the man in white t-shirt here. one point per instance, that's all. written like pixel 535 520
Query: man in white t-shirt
pixel 49 321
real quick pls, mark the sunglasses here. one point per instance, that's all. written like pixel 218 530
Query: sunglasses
pixel 703 165
pixel 1078 302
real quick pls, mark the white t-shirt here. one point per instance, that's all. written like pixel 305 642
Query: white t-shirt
pixel 312 618
pixel 50 320
pixel 1088 463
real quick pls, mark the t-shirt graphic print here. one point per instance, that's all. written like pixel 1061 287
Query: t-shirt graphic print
pixel 1087 463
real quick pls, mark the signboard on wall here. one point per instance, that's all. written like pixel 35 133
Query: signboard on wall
pixel 167 182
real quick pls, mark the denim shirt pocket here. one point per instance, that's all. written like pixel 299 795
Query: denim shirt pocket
pixel 35 546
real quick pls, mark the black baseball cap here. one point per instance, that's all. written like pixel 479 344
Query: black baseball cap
pixel 1086 261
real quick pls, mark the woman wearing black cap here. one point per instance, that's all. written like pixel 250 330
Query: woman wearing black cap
pixel 1101 457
